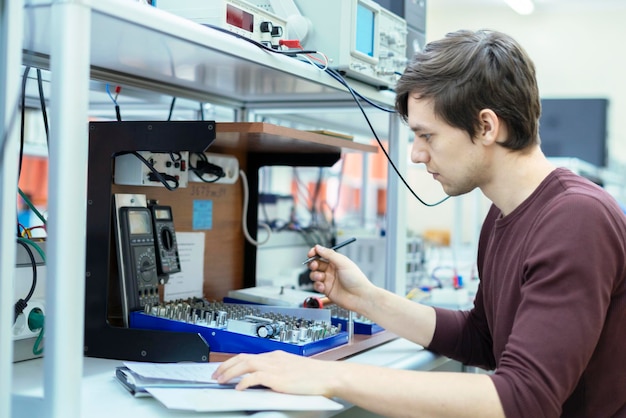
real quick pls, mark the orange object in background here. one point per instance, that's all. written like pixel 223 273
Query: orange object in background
pixel 437 237
pixel 34 179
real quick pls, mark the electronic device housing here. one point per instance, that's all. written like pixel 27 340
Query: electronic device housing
pixel 361 39
pixel 237 16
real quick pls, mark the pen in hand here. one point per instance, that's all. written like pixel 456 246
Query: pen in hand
pixel 336 247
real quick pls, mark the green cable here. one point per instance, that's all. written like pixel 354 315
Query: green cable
pixel 30 205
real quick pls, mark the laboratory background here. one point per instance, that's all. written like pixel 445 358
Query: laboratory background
pixel 175 161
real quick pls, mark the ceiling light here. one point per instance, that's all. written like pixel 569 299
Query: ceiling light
pixel 523 7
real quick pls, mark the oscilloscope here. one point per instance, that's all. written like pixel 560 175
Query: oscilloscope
pixel 362 39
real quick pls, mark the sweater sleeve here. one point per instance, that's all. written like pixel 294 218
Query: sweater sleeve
pixel 464 336
pixel 572 255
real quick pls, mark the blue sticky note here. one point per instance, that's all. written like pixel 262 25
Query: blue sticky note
pixel 202 214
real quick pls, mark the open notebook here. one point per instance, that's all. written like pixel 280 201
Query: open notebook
pixel 189 386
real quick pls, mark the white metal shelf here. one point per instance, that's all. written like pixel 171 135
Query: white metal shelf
pixel 146 47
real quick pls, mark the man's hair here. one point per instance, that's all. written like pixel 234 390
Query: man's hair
pixel 467 71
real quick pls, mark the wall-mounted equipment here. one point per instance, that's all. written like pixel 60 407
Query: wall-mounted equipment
pixel 144 168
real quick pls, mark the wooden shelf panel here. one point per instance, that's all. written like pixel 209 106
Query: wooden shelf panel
pixel 359 344
pixel 261 137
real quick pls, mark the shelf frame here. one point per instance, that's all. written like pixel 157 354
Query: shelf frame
pixel 118 41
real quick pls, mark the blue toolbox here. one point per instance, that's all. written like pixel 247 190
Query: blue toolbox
pixel 246 328
pixel 283 296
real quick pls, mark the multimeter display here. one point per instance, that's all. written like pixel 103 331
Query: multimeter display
pixel 162 213
pixel 139 223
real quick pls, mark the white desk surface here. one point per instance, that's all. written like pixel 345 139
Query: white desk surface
pixel 103 397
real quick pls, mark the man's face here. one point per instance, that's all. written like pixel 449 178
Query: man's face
pixel 448 152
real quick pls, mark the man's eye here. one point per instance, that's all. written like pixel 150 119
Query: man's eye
pixel 426 136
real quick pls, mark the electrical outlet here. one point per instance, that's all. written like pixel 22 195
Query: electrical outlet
pixel 130 170
pixel 228 163
pixel 21 328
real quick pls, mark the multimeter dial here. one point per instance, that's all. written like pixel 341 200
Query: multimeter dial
pixel 146 265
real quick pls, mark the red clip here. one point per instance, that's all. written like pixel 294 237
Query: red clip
pixel 290 43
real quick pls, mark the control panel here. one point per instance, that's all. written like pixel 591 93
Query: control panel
pixel 237 16
pixel 145 168
pixel 362 40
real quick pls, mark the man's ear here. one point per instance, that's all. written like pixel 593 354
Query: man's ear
pixel 491 127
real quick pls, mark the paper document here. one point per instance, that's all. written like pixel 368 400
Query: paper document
pixel 137 385
pixel 189 386
pixel 214 400
pixel 180 372
pixel 188 282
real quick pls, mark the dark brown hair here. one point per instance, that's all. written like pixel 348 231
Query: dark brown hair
pixel 468 71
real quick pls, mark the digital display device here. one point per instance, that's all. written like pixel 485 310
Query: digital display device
pixel 239 18
pixel 163 214
pixel 361 39
pixel 139 222
pixel 365 30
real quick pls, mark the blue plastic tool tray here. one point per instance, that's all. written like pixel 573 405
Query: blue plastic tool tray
pixel 362 328
pixel 224 341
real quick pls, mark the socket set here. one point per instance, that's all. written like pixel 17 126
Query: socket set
pixel 245 328
pixel 267 295
pixel 340 317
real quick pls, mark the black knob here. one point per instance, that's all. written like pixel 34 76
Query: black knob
pixel 167 239
pixel 266 27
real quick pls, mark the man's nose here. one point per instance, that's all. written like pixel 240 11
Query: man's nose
pixel 418 152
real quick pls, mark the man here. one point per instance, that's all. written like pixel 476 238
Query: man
pixel 550 313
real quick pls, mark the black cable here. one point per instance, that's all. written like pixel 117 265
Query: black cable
pixel 316 193
pixel 169 116
pixel 161 177
pixel 42 102
pixel 354 96
pixel 155 175
pixel 289 52
pixel 21 304
pixel 334 74
pixel 22 123
pixel 22 129
pixel 203 166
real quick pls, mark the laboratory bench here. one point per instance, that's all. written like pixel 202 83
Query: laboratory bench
pixel 103 397
pixel 87 45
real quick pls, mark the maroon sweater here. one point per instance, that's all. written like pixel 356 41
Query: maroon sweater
pixel 550 311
